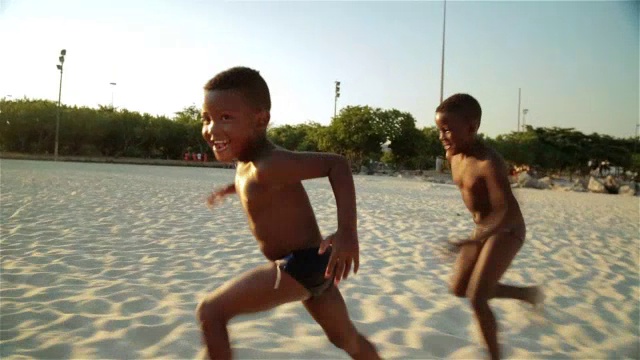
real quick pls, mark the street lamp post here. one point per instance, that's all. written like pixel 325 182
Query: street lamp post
pixel 63 52
pixel 444 26
pixel 113 85
pixel 519 98
pixel 635 143
pixel 335 100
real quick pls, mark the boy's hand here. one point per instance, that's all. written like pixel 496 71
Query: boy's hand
pixel 344 252
pixel 218 195
pixel 455 245
pixel 215 198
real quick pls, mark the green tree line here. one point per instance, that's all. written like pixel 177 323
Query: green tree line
pixel 28 126
pixel 358 132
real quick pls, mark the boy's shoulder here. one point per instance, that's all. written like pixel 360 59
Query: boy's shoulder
pixel 271 157
pixel 273 163
pixel 276 155
pixel 493 163
pixel 485 161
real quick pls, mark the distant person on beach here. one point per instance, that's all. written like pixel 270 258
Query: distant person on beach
pixel 481 174
pixel 302 265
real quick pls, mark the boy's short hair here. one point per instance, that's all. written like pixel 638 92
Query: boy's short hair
pixel 462 104
pixel 246 80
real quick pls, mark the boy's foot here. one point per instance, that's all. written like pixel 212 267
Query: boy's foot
pixel 537 297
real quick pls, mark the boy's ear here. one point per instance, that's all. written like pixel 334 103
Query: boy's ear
pixel 475 125
pixel 262 119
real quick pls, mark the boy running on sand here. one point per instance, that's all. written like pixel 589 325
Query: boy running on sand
pixel 481 175
pixel 302 266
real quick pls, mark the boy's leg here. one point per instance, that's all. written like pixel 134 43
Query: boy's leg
pixel 530 294
pixel 330 311
pixel 494 259
pixel 249 293
pixel 465 262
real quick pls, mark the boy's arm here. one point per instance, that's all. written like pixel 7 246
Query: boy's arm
pixel 228 190
pixel 291 167
pixel 498 185
pixel 219 194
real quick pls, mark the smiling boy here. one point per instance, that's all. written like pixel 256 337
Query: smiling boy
pixel 481 175
pixel 268 181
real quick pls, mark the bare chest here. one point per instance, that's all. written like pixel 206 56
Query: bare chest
pixel 462 173
pixel 472 187
pixel 260 199
pixel 252 194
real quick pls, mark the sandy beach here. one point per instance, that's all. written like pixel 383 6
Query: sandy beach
pixel 110 261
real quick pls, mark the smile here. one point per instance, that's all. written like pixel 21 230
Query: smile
pixel 220 145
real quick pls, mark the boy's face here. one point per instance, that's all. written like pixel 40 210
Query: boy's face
pixel 230 123
pixel 456 134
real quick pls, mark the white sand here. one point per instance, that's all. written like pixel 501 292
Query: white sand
pixel 109 261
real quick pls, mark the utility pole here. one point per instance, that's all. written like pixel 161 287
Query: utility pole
pixel 113 85
pixel 519 98
pixel 635 143
pixel 63 52
pixel 444 25
pixel 335 100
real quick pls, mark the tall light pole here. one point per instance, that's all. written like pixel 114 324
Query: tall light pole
pixel 635 143
pixel 444 26
pixel 63 52
pixel 519 98
pixel 524 116
pixel 113 85
pixel 335 100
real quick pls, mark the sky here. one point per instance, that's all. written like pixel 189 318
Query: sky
pixel 576 63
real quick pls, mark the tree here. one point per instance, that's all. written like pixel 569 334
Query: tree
pixel 430 148
pixel 189 115
pixel 358 132
pixel 301 137
pixel 28 126
pixel 406 140
pixel 517 147
pixel 191 118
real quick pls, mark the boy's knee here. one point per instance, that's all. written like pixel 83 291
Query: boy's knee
pixel 209 310
pixel 347 342
pixel 477 298
pixel 458 289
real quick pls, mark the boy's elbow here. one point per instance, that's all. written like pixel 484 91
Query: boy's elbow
pixel 343 159
pixel 342 163
pixel 338 165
